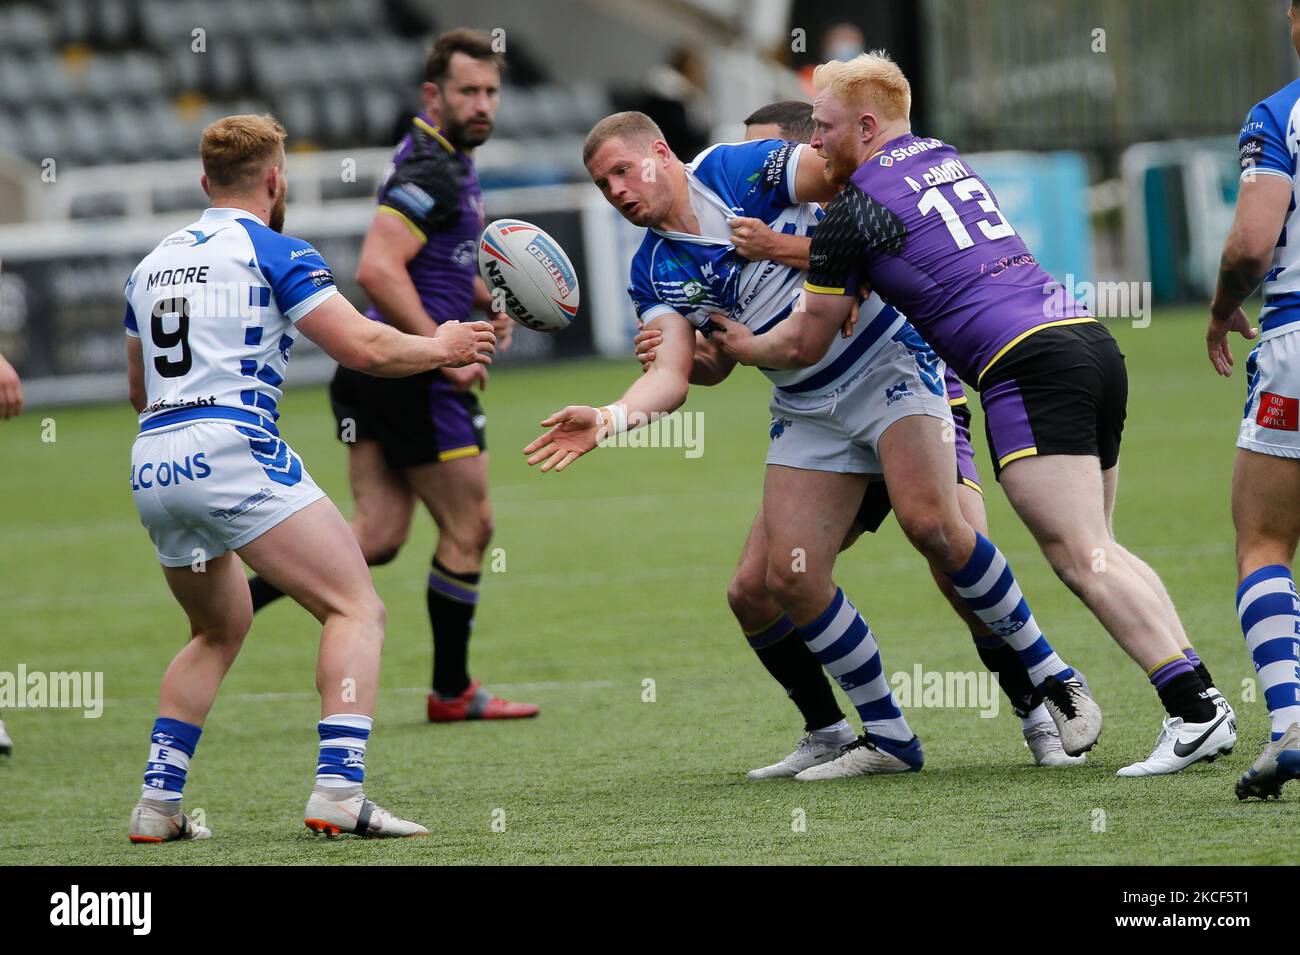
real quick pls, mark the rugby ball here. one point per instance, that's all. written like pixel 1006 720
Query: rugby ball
pixel 529 274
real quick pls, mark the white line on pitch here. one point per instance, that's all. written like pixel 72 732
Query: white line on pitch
pixel 543 685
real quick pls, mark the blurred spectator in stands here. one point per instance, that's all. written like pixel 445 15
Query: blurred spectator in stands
pixel 840 41
pixel 673 95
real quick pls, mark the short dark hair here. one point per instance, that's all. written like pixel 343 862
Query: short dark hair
pixel 473 43
pixel 793 117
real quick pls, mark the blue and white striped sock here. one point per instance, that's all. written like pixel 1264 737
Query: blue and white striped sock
pixel 1270 619
pixel 990 590
pixel 342 763
pixel 171 745
pixel 843 643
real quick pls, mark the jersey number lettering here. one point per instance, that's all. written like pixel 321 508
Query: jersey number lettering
pixel 966 190
pixel 164 340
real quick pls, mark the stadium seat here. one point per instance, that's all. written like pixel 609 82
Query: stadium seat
pixel 25 28
pixel 114 22
pixel 75 19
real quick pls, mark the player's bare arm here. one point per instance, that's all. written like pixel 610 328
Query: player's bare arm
pixel 575 430
pixel 389 247
pixel 800 341
pixel 810 182
pixel 377 349
pixel 1247 254
pixel 136 392
pixel 709 368
pixel 11 390
pixel 756 240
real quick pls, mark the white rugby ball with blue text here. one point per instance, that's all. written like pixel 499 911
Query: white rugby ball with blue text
pixel 529 274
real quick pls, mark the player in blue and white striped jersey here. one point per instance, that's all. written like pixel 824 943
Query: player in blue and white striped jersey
pixel 766 628
pixel 212 313
pixel 1264 246
pixel 875 404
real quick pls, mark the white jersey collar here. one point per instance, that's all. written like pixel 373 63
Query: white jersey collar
pixel 226 214
pixel 699 193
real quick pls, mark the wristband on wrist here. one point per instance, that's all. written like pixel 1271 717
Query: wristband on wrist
pixel 613 419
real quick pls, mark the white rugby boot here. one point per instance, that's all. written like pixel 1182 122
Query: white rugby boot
pixel 1279 763
pixel 1044 740
pixel 1180 744
pixel 357 815
pixel 819 746
pixel 863 757
pixel 150 822
pixel 1075 713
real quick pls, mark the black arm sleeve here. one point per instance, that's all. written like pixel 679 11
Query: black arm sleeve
pixel 854 226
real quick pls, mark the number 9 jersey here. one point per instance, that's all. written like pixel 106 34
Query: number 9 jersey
pixel 213 306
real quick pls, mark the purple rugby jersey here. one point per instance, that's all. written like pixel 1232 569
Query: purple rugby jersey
pixel 918 226
pixel 434 189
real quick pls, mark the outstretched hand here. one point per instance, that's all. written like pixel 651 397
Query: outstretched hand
pixel 575 430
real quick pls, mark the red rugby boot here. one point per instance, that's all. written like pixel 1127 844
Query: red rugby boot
pixel 476 703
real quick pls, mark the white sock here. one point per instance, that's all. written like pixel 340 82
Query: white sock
pixel 1037 717
pixel 836 731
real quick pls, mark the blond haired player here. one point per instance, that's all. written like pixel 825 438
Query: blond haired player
pixel 212 314
pixel 918 225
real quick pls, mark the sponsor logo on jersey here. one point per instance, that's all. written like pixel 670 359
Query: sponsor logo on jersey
pixel 774 166
pixel 897 392
pixel 999 265
pixel 201 237
pixel 412 198
pixel 1278 412
pixel 914 148
pixel 463 254
pixel 886 161
pixel 299 253
pixel 552 260
pixel 162 403
pixel 247 504
pixel 321 277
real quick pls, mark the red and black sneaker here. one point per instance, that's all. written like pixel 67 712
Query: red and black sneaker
pixel 476 703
